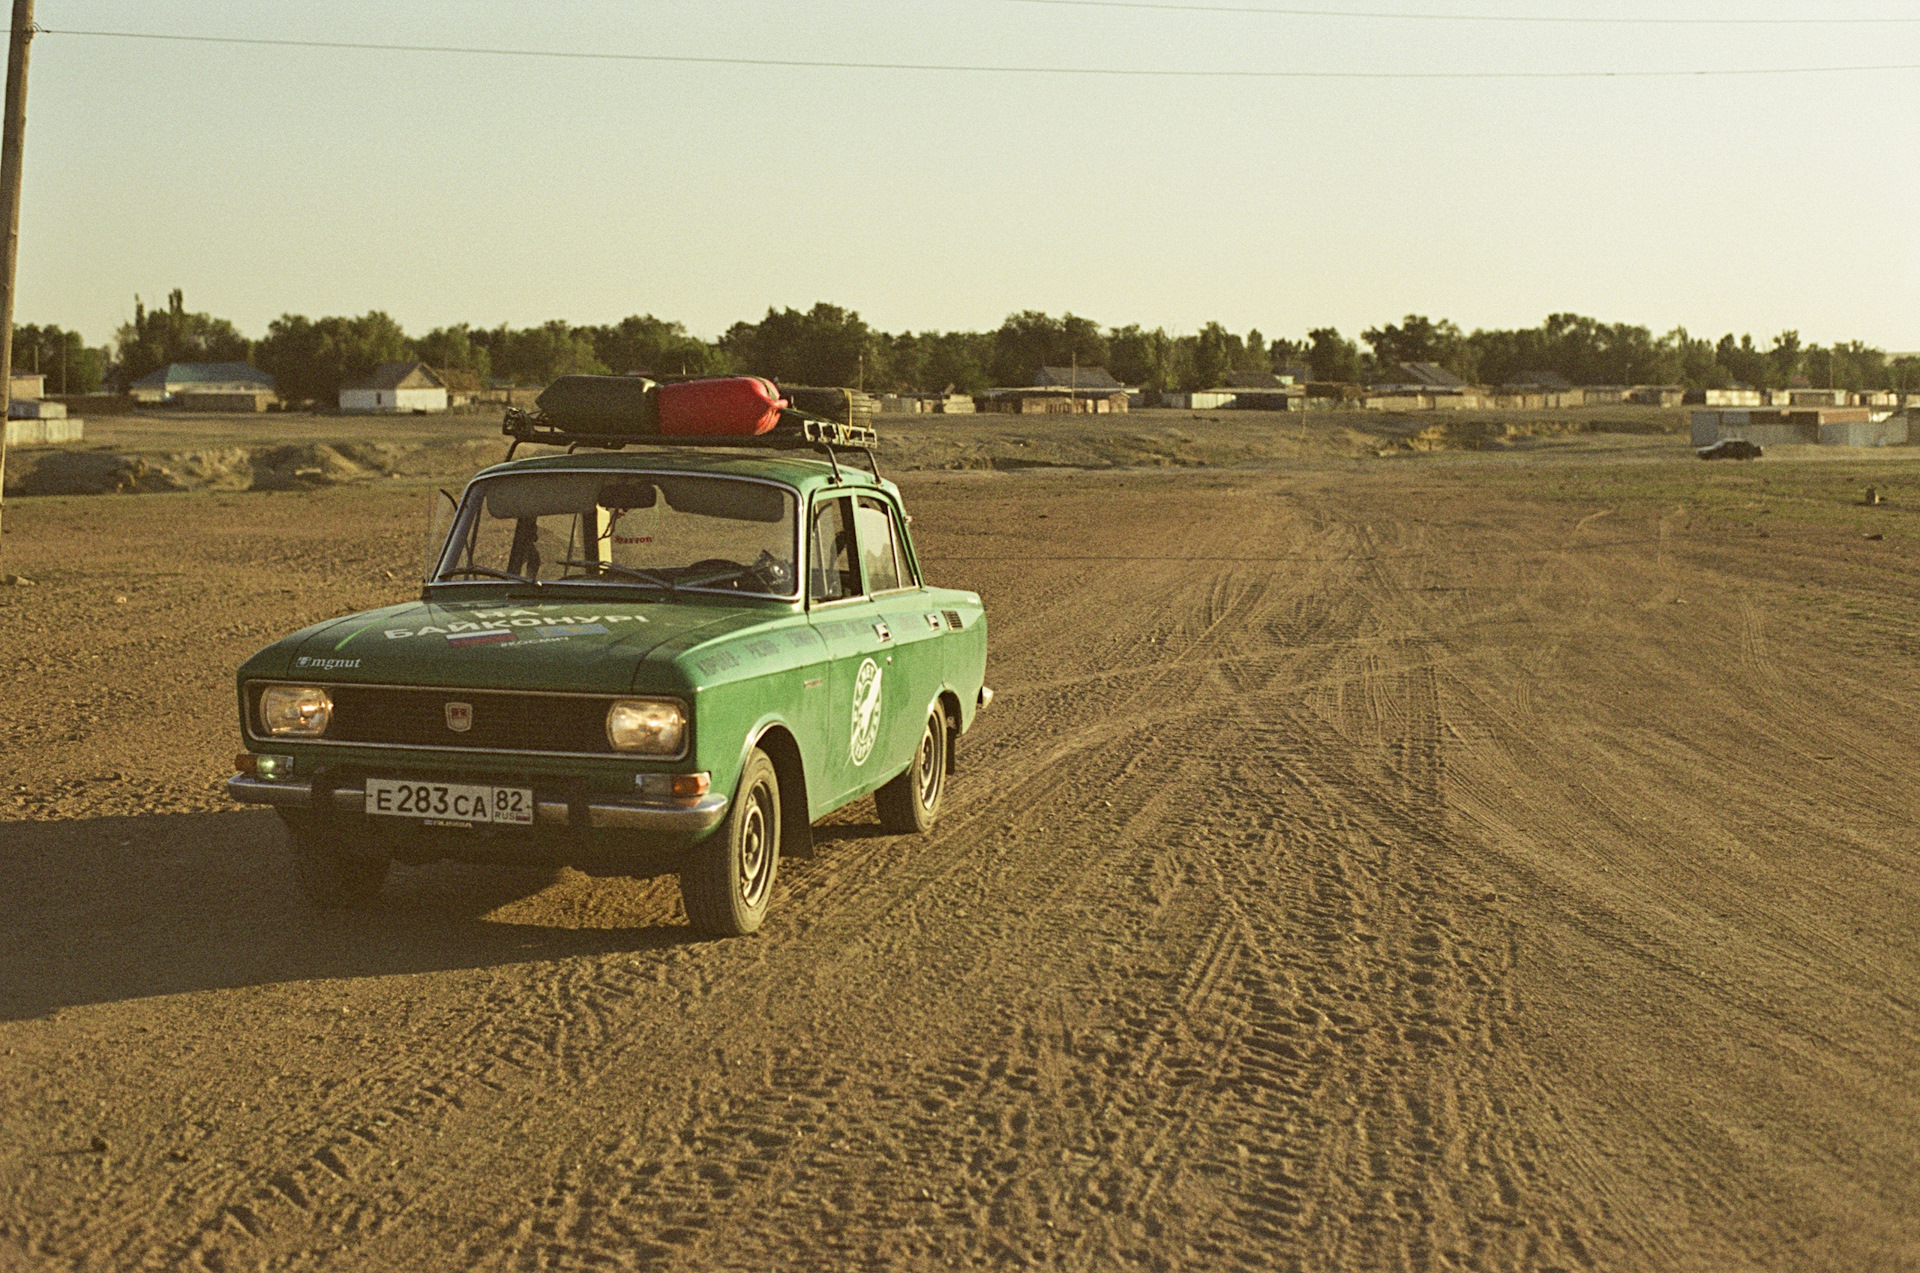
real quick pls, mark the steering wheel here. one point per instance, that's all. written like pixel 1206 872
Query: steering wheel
pixel 775 573
pixel 768 569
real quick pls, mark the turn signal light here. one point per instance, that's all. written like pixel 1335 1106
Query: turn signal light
pixel 673 786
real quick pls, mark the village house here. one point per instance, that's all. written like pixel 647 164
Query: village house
pixel 1093 380
pixel 213 386
pixel 1261 390
pixel 396 387
pixel 1061 391
pixel 1417 377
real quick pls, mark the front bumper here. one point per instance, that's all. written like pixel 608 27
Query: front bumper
pixel 684 817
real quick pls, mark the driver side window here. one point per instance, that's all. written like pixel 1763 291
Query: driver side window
pixel 831 575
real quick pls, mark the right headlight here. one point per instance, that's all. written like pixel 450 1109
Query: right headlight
pixel 295 711
pixel 649 726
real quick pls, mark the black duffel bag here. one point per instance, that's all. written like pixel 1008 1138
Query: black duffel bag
pixel 602 406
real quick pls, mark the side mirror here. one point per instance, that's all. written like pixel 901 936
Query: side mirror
pixel 441 508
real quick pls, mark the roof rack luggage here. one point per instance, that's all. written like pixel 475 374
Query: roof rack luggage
pixel 614 412
pixel 848 406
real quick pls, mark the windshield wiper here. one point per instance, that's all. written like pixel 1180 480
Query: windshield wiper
pixel 737 572
pixel 643 576
pixel 488 571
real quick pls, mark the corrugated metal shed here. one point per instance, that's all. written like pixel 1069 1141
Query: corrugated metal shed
pixel 1891 431
pixel 1773 434
pixel 1200 400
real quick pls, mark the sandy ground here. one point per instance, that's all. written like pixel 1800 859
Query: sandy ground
pixel 1495 861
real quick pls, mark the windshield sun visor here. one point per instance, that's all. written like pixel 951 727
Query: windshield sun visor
pixel 542 495
pixel 734 501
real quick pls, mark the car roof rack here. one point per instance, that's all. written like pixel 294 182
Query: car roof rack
pixel 795 431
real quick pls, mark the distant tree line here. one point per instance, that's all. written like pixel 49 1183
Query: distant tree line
pixel 310 358
pixel 1589 352
pixel 63 357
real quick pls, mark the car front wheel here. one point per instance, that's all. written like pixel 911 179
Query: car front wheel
pixel 727 879
pixel 911 802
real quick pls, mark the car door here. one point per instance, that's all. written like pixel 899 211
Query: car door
pixel 887 567
pixel 859 649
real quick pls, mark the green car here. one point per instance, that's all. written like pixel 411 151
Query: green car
pixel 669 659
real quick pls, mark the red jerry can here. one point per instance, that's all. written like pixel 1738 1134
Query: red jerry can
pixel 729 406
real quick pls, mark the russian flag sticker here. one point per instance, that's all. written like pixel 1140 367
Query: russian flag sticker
pixel 499 636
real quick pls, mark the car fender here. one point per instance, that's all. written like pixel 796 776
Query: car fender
pixel 797 804
pixel 956 722
pixel 750 739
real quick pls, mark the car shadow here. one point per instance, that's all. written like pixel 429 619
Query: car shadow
pixel 851 823
pixel 828 834
pixel 106 909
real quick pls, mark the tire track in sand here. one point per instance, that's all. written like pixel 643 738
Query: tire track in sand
pixel 1333 947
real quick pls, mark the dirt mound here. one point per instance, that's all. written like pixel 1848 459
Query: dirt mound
pixel 69 473
pixel 1484 432
pixel 280 468
pixel 292 467
pixel 1158 439
pixel 311 464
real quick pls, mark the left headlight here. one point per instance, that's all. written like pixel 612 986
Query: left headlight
pixel 652 727
pixel 295 711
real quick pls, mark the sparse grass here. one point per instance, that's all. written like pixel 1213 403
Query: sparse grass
pixel 1815 494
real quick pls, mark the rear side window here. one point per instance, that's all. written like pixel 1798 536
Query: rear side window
pixel 879 555
pixel 830 552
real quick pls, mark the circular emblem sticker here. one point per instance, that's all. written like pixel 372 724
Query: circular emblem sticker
pixel 866 711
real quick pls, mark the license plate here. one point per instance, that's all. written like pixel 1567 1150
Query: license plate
pixel 449 801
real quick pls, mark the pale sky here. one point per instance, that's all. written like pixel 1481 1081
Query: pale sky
pixel 465 188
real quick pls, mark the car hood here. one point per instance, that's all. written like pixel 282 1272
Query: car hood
pixel 581 645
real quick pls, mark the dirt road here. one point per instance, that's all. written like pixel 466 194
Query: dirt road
pixel 1440 862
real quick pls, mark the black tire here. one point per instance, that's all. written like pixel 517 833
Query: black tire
pixel 911 802
pixel 328 870
pixel 727 879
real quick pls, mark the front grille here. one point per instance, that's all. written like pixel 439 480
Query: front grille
pixel 406 717
pixel 953 619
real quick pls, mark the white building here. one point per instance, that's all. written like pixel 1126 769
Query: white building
pixel 165 384
pixel 1198 400
pixel 396 387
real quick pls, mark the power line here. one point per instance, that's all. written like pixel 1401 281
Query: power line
pixel 1386 16
pixel 976 68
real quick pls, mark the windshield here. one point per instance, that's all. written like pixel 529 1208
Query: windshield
pixel 655 530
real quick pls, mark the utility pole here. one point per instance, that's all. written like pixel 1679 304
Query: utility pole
pixel 13 142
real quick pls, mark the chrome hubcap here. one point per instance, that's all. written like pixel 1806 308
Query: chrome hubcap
pixel 756 849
